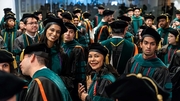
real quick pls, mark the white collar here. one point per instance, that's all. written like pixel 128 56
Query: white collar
pixel 117 37
pixel 31 35
pixel 43 67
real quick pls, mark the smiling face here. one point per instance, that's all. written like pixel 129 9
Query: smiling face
pixel 95 60
pixel 53 33
pixel 148 46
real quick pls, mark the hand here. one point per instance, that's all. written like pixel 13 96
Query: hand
pixel 81 92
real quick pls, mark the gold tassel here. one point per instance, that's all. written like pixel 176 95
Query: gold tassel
pixel 177 38
pixel 22 55
pixel 160 45
pixel 77 34
pixel 167 18
pixel 14 63
pixel 107 59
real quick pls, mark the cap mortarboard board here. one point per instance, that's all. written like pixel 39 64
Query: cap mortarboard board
pixel 6 10
pixel 137 8
pixel 9 16
pixel 29 15
pixel 130 9
pixel 98 48
pixel 77 10
pixel 101 7
pixel 67 15
pixel 58 21
pixel 151 32
pixel 149 16
pixel 60 10
pixel 6 56
pixel 116 26
pixel 86 14
pixel 69 25
pixel 124 18
pixel 39 49
pixel 178 11
pixel 175 32
pixel 134 87
pixel 164 16
pixel 10 85
pixel 37 13
pixel 107 12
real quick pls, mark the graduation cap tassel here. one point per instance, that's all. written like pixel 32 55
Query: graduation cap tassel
pixel 107 59
pixel 14 63
pixel 76 34
pixel 160 45
pixel 177 38
pixel 22 55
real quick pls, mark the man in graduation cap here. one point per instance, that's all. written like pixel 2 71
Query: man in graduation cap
pixel 163 22
pixel 134 87
pixel 67 17
pixel 78 12
pixel 177 16
pixel 120 49
pixel 129 34
pixel 129 12
pixel 102 32
pixel 76 54
pixel 137 20
pixel 45 84
pixel 30 36
pixel 40 22
pixel 147 62
pixel 149 20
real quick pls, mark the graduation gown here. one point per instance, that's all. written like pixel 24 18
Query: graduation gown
pixel 102 32
pixel 153 68
pixel 97 19
pixel 9 35
pixel 136 23
pixel 76 66
pixel 164 34
pixel 97 91
pixel 130 37
pixel 53 86
pixel 121 51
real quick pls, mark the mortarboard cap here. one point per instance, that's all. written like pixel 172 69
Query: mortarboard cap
pixel 67 15
pixel 69 25
pixel 149 16
pixel 164 16
pixel 116 26
pixel 101 7
pixel 9 16
pixel 137 8
pixel 6 10
pixel 107 12
pixel 60 10
pixel 9 85
pixel 77 10
pixel 178 11
pixel 86 15
pixel 134 87
pixel 56 20
pixel 98 48
pixel 130 9
pixel 37 13
pixel 175 32
pixel 39 49
pixel 124 18
pixel 151 32
pixel 28 15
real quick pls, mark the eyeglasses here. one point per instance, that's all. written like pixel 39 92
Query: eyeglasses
pixel 32 23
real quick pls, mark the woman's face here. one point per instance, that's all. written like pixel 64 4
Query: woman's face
pixel 69 35
pixel 21 25
pixel 53 32
pixel 95 60
pixel 5 67
pixel 171 39
pixel 11 22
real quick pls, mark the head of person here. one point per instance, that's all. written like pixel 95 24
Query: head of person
pixel 71 32
pixel 108 15
pixel 149 42
pixel 125 18
pixel 67 17
pixel 39 15
pixel 137 11
pixel 54 28
pixel 10 86
pixel 136 87
pixel 173 37
pixel 75 20
pixel 33 58
pixel 149 19
pixel 163 20
pixel 77 11
pixel 178 14
pixel 9 20
pixel 7 61
pixel 21 25
pixel 86 15
pixel 119 28
pixel 141 28
pixel 130 12
pixel 30 23
pixel 59 13
pixel 97 56
pixel 100 9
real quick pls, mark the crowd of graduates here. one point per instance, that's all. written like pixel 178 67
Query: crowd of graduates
pixel 68 57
